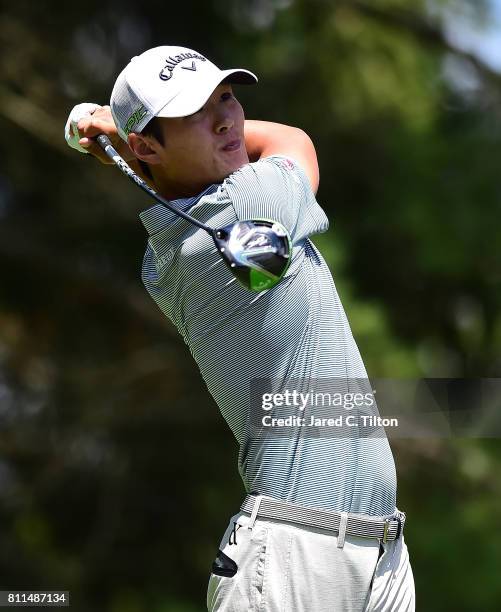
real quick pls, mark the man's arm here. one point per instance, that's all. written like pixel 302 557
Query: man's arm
pixel 264 138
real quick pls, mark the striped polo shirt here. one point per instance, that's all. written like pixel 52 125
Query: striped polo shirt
pixel 296 332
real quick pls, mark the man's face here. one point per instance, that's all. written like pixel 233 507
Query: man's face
pixel 207 146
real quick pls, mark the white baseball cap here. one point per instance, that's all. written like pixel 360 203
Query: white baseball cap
pixel 166 82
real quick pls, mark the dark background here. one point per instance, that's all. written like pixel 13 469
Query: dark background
pixel 117 472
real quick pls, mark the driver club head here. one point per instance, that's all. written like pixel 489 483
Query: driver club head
pixel 257 251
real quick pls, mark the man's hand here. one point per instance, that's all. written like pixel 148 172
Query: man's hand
pixel 88 120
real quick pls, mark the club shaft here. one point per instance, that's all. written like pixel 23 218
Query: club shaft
pixel 105 144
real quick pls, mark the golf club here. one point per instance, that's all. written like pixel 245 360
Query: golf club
pixel 257 251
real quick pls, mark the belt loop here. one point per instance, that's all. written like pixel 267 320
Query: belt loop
pixel 386 530
pixel 255 509
pixel 342 529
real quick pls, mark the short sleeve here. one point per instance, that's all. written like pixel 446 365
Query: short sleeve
pixel 277 188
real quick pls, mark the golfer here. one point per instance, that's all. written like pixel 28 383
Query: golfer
pixel 318 529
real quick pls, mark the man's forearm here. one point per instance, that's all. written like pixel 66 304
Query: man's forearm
pixel 265 138
pixel 260 135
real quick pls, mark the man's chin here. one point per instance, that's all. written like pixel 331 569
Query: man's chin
pixel 236 165
pixel 220 176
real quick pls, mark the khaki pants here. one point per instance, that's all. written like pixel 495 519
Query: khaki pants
pixel 282 567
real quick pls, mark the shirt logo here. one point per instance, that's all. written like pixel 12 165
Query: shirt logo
pixel 288 163
pixel 165 259
pixel 171 62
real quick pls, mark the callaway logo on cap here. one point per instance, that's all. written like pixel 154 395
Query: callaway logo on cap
pixel 166 82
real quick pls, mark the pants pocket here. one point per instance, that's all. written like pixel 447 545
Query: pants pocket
pixel 237 573
pixel 381 553
pixel 393 583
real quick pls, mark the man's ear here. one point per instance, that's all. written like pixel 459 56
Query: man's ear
pixel 143 149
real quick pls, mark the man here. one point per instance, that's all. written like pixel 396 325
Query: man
pixel 319 529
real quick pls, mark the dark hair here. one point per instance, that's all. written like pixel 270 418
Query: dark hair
pixel 154 129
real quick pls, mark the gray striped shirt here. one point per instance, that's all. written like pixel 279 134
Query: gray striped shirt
pixel 297 331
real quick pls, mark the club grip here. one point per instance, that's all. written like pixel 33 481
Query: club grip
pixel 103 141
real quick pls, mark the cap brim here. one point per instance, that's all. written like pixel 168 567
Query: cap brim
pixel 188 102
pixel 239 77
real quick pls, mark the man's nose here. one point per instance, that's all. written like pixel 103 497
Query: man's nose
pixel 224 124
